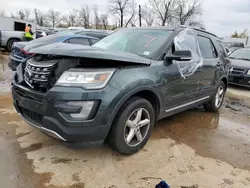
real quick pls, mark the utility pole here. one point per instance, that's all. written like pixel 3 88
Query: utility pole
pixel 140 15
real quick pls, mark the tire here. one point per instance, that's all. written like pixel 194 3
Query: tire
pixel 212 105
pixel 119 134
pixel 10 44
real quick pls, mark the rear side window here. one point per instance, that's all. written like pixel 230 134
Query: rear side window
pixel 79 41
pixel 96 35
pixel 94 40
pixel 206 47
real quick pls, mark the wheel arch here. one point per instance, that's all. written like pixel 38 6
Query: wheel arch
pixel 13 38
pixel 146 92
pixel 225 81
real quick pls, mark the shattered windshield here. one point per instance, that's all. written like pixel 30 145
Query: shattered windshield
pixel 141 42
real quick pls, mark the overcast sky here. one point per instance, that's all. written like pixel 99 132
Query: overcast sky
pixel 221 17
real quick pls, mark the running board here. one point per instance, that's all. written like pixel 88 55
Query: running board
pixel 187 104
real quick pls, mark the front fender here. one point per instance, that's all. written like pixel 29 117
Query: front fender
pixel 128 92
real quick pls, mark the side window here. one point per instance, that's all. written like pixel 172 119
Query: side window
pixel 94 41
pixel 206 47
pixel 96 35
pixel 66 41
pixel 79 41
pixel 188 42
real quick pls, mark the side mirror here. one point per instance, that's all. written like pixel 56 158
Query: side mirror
pixel 227 50
pixel 180 55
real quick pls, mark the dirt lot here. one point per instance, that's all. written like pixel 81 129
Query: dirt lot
pixel 194 148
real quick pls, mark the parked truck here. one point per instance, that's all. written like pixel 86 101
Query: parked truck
pixel 12 30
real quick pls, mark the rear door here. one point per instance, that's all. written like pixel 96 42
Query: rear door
pixel 211 63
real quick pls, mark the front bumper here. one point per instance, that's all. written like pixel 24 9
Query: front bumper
pixel 41 111
pixel 241 80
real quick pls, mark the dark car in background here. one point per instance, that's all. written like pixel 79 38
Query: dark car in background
pixel 239 73
pixel 20 54
pixel 231 46
pixel 116 89
pixel 100 34
pixel 40 33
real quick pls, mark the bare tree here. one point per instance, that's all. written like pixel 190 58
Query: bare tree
pixel 26 13
pixel 197 23
pixel 54 17
pixel 65 20
pixel 140 15
pixel 132 12
pixel 21 14
pixel 40 18
pixel 84 15
pixel 242 34
pixel 72 17
pixel 186 10
pixel 120 7
pixel 148 15
pixel 2 12
pixel 96 19
pixel 164 9
pixel 104 20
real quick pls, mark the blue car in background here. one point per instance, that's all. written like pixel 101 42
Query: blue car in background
pixel 20 50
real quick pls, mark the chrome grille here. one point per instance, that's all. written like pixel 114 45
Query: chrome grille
pixel 37 74
pixel 235 70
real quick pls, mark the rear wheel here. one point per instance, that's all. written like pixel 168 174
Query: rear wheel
pixel 216 101
pixel 10 44
pixel 132 126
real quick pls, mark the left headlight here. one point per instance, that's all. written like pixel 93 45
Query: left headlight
pixel 248 72
pixel 88 79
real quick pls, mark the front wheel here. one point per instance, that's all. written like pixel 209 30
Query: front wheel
pixel 10 44
pixel 216 101
pixel 132 126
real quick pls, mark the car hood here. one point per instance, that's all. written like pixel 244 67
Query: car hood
pixel 240 63
pixel 20 44
pixel 35 45
pixel 75 50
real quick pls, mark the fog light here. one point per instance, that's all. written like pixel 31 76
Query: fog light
pixel 86 107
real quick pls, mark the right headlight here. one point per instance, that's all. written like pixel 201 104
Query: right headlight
pixel 88 79
pixel 248 72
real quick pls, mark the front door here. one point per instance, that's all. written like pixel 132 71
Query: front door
pixel 183 77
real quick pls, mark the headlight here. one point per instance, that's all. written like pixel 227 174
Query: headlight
pixel 248 71
pixel 88 79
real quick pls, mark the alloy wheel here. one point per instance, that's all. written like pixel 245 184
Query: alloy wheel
pixel 219 96
pixel 137 127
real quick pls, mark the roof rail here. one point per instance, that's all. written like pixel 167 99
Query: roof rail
pixel 198 29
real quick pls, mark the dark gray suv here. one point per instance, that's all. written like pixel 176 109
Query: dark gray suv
pixel 116 89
